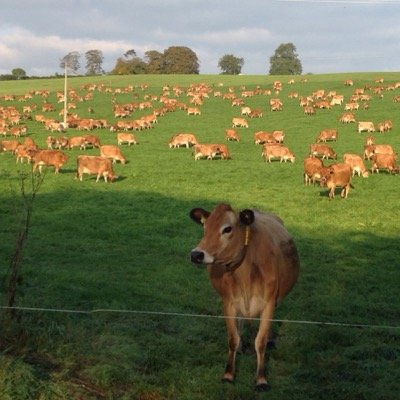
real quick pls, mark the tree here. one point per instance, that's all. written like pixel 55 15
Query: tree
pixel 94 61
pixel 155 62
pixel 72 61
pixel 135 65
pixel 180 60
pixel 285 61
pixel 231 65
pixel 18 73
pixel 130 54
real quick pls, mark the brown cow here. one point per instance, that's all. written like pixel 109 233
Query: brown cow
pixel 231 134
pixel 327 134
pixel 282 153
pixel 9 145
pixel 22 152
pixel 77 141
pixel 356 163
pixel 366 126
pixel 279 136
pixel 100 166
pixel 223 151
pixel 313 170
pixel 182 139
pixel 193 111
pixel 208 151
pixel 239 123
pixel 337 175
pixel 322 150
pixel 384 161
pixel 113 152
pixel 55 158
pixel 92 140
pixel 347 118
pixel 129 138
pixel 370 150
pixel 252 262
pixel 262 137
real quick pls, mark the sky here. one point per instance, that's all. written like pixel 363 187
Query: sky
pixel 329 35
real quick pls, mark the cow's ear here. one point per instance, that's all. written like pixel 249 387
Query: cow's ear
pixel 199 215
pixel 246 217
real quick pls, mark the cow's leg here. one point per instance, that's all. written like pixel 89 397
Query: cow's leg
pixel 233 341
pixel 261 343
pixel 345 191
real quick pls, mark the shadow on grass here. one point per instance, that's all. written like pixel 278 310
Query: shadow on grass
pixel 90 248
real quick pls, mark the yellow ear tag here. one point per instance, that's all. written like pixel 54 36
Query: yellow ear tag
pixel 202 220
pixel 247 236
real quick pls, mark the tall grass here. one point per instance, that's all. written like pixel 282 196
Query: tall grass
pixel 124 247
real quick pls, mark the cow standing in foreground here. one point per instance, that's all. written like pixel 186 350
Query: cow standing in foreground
pixel 252 263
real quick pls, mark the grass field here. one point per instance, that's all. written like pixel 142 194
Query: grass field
pixel 122 249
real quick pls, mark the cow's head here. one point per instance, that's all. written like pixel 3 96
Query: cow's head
pixel 226 235
pixel 326 173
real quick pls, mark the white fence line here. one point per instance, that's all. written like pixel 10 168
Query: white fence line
pixel 192 315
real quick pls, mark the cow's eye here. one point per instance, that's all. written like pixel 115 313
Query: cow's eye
pixel 227 229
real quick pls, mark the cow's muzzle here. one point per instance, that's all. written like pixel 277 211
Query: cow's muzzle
pixel 197 257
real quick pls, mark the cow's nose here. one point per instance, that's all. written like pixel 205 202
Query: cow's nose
pixel 197 257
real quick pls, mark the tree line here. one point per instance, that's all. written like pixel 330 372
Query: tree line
pixel 173 60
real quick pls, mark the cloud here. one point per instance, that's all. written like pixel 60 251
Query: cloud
pixel 20 45
pixel 241 35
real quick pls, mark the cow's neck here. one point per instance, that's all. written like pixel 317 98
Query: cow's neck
pixel 233 266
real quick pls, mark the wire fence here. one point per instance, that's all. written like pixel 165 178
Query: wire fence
pixel 193 315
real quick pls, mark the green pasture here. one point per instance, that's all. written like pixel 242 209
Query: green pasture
pixel 116 310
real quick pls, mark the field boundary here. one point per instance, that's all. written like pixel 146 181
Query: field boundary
pixel 193 315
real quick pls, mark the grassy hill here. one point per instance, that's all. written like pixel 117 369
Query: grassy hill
pixel 116 310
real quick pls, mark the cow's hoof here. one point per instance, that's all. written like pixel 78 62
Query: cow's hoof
pixel 262 387
pixel 227 380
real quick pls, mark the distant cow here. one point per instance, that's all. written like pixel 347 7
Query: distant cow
pixel 263 137
pixel 245 110
pixel 92 140
pixel 384 161
pixel 232 135
pixel 366 126
pixel 256 113
pixel 128 138
pixel 252 262
pixel 337 175
pixel 9 145
pixel 370 150
pixel 42 158
pixel 322 150
pixel 356 164
pixel 22 153
pixel 239 123
pixel 279 136
pixel 193 111
pixel 183 139
pixel 327 135
pixel 277 151
pixel 113 152
pixel 223 151
pixel 95 165
pixel 313 170
pixel 77 141
pixel 210 151
pixel 347 118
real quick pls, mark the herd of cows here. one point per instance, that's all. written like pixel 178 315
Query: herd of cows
pixel 78 132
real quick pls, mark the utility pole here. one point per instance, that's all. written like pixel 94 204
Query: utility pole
pixel 65 97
